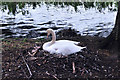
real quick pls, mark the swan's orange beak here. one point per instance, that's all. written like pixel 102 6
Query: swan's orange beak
pixel 48 34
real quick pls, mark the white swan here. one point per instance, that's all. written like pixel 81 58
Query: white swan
pixel 63 47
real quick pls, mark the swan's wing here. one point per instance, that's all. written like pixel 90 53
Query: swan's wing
pixel 65 49
pixel 66 42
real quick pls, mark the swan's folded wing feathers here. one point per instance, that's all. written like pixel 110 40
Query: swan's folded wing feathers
pixel 67 42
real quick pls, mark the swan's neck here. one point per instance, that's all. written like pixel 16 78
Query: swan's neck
pixel 53 38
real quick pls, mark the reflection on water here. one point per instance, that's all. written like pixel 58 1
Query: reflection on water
pixel 88 19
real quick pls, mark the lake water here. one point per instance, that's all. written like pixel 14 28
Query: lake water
pixel 34 25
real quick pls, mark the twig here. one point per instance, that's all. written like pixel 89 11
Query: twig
pixel 33 53
pixel 32 58
pixel 21 66
pixel 44 61
pixel 38 64
pixel 27 67
pixel 21 55
pixel 30 54
pixel 67 59
pixel 83 70
pixel 24 71
pixel 52 75
pixel 36 50
pixel 73 65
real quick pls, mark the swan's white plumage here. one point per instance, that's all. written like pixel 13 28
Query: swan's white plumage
pixel 64 47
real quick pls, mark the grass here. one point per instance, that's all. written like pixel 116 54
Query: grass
pixel 17 43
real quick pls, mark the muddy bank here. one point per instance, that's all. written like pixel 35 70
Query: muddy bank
pixel 90 63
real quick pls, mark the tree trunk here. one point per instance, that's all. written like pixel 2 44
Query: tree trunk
pixel 113 40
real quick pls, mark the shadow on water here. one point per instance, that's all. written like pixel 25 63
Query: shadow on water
pixel 13 27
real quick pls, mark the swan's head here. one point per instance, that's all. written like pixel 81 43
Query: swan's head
pixel 49 31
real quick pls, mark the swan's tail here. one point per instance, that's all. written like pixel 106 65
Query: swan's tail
pixel 76 43
pixel 82 48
